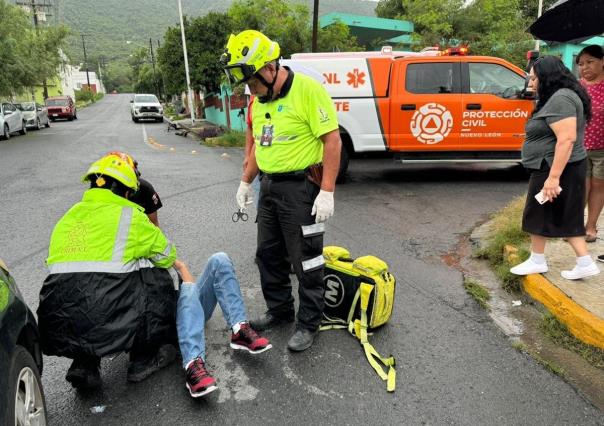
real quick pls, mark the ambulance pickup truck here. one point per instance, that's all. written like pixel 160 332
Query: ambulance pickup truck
pixel 424 106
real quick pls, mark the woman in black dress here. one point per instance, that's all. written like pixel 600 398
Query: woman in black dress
pixel 554 155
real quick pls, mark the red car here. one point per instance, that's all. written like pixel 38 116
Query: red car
pixel 61 107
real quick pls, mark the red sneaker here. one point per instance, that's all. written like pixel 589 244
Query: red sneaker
pixel 199 382
pixel 248 339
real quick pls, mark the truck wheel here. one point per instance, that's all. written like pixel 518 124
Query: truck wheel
pixel 344 159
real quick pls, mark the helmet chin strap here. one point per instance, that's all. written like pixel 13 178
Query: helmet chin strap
pixel 269 95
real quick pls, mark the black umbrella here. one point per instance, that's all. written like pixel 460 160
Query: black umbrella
pixel 570 20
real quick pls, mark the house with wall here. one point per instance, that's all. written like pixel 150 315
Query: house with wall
pixel 568 52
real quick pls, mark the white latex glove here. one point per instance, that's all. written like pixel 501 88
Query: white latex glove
pixel 323 206
pixel 244 195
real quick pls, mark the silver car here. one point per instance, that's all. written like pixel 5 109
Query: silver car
pixel 11 120
pixel 35 115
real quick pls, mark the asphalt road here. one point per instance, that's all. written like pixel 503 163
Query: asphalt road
pixel 454 366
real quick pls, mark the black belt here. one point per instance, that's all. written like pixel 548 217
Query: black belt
pixel 280 177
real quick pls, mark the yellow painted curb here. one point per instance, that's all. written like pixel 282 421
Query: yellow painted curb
pixel 584 325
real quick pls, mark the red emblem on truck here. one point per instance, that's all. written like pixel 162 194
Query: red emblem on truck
pixel 356 78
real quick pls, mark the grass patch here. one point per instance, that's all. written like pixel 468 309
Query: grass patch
pixel 231 138
pixel 506 229
pixel 478 293
pixel 558 333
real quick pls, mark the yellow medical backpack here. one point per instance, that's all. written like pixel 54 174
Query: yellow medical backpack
pixel 359 296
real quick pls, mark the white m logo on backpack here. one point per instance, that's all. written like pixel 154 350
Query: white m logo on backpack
pixel 334 291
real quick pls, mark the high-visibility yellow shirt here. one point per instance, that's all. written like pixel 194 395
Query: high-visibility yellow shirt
pixel 298 121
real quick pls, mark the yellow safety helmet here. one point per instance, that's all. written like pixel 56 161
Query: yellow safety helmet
pixel 246 53
pixel 114 166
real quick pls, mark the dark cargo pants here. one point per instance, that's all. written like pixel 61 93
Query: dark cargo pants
pixel 286 227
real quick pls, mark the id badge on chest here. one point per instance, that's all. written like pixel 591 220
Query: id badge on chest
pixel 267 135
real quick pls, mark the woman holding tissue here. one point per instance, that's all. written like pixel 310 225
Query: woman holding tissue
pixel 554 155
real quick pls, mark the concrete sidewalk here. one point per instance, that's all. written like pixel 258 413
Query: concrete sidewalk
pixel 578 304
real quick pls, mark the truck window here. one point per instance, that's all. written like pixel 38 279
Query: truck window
pixel 494 79
pixel 429 78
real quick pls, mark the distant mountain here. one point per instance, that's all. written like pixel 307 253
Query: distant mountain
pixel 109 24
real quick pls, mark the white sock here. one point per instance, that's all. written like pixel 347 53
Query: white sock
pixel 236 327
pixel 538 258
pixel 584 261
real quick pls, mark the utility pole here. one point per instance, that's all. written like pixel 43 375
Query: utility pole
pixel 153 62
pixel 35 9
pixel 539 15
pixel 315 24
pixel 85 60
pixel 184 50
pixel 161 76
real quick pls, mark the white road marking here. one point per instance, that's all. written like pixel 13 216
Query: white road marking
pixel 233 383
pixel 294 379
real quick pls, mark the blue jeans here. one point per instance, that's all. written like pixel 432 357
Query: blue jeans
pixel 196 303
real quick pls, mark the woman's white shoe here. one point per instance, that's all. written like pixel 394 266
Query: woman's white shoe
pixel 579 272
pixel 529 267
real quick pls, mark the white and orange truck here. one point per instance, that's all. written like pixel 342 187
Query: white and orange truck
pixel 425 106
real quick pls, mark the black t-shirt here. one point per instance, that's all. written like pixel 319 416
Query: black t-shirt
pixel 146 197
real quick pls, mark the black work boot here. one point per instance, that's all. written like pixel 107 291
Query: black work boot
pixel 269 320
pixel 301 340
pixel 142 367
pixel 85 373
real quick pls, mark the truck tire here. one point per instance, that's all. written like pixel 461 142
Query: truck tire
pixel 344 159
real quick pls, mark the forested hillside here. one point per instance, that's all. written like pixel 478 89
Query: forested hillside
pixel 109 24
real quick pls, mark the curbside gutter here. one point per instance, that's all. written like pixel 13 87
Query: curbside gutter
pixel 584 325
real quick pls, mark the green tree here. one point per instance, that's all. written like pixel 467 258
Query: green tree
pixel 495 28
pixel 27 56
pixel 117 76
pixel 206 37
pixel 336 38
pixel 390 9
pixel 17 65
pixel 48 42
pixel 171 62
pixel 289 24
pixel 286 23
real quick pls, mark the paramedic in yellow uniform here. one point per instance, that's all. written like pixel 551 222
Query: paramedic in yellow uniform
pixel 297 147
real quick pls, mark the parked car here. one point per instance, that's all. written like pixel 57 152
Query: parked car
pixel 22 398
pixel 61 107
pixel 35 115
pixel 11 120
pixel 145 106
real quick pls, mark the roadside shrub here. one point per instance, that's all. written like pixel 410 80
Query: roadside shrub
pixel 231 138
pixel 84 96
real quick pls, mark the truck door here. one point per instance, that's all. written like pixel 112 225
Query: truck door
pixel 425 101
pixel 493 117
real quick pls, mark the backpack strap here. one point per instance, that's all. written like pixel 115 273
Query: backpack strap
pixel 358 328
